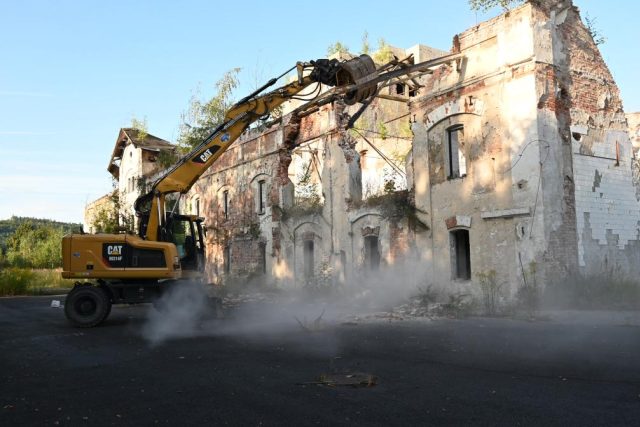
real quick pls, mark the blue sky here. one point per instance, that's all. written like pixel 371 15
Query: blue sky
pixel 74 72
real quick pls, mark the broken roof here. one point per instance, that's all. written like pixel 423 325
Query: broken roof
pixel 139 139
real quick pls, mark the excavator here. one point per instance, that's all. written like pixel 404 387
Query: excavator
pixel 169 248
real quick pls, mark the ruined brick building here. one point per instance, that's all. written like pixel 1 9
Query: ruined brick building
pixel 519 162
pixel 514 162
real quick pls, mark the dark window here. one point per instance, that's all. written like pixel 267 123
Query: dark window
pixel 263 258
pixel 413 92
pixel 225 204
pixel 371 253
pixel 460 254
pixel 308 259
pixel 399 89
pixel 456 162
pixel 261 196
pixel 226 254
pixel 150 258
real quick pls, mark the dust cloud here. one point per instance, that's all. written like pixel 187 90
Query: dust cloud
pixel 301 313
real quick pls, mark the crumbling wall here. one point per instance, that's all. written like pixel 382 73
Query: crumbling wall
pixel 599 192
pixel 490 97
pixel 240 241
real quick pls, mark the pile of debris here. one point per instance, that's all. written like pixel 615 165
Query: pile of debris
pixel 236 300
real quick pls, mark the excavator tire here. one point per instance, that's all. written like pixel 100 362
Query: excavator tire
pixel 87 306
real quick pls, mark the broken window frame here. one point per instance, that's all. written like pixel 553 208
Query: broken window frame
pixel 456 165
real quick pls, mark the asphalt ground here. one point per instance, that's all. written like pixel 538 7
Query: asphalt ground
pixel 577 370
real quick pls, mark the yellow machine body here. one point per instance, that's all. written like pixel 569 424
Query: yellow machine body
pixel 118 256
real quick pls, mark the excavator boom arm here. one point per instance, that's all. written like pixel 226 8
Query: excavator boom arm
pixel 181 177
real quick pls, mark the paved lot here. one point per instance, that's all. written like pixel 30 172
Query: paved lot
pixel 577 370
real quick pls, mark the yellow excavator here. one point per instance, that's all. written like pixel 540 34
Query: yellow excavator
pixel 169 247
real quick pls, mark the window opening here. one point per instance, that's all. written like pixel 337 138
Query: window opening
pixel 261 196
pixel 308 259
pixel 363 159
pixel 460 254
pixel 263 258
pixel 456 162
pixel 399 89
pixel 371 253
pixel 225 203
pixel 226 255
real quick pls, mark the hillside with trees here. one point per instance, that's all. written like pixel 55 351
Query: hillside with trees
pixel 9 227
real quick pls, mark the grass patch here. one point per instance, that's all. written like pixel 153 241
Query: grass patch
pixel 24 281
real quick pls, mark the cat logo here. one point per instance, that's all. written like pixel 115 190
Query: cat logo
pixel 114 254
pixel 115 250
pixel 204 156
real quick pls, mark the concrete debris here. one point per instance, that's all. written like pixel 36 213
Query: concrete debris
pixel 234 301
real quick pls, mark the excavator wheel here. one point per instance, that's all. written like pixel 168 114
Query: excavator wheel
pixel 87 306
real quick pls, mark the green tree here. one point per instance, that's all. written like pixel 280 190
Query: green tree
pixel 337 47
pixel 384 53
pixel 383 132
pixel 366 48
pixel 33 246
pixel 485 5
pixel 202 117
pixel 591 24
pixel 140 126
pixel 110 218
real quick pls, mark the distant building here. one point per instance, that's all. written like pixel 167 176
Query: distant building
pixel 135 158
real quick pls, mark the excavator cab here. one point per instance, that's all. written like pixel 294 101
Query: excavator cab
pixel 186 232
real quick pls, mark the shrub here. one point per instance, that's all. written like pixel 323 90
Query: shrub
pixel 15 281
pixel 20 281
